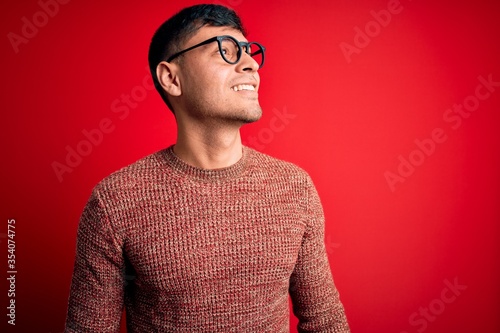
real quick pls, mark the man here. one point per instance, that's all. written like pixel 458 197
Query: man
pixel 207 235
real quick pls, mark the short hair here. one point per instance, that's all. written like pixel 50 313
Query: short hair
pixel 169 37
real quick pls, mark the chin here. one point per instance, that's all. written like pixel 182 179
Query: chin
pixel 245 116
pixel 253 116
pixel 250 120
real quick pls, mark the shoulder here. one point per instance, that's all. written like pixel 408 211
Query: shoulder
pixel 272 166
pixel 133 175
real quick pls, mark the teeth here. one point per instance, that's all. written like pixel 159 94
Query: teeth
pixel 243 87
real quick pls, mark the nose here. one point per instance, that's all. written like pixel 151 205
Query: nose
pixel 247 63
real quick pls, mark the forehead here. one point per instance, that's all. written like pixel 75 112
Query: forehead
pixel 207 32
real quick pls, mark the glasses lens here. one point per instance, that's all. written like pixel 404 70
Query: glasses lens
pixel 257 53
pixel 230 50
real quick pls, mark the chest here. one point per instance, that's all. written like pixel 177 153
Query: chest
pixel 188 239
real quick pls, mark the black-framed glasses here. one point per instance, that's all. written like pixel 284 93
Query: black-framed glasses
pixel 231 49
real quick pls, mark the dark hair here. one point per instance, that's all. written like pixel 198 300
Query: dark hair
pixel 180 27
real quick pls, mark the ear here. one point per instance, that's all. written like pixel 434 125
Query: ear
pixel 169 78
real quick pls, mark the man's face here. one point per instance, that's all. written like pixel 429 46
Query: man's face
pixel 213 89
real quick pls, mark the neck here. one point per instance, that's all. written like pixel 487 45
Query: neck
pixel 208 147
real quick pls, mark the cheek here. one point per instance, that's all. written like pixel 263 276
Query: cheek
pixel 218 77
pixel 207 81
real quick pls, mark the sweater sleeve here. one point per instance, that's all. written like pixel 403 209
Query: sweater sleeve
pixel 96 293
pixel 315 299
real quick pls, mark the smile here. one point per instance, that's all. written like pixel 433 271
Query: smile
pixel 241 87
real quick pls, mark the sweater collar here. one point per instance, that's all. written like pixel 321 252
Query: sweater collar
pixel 182 167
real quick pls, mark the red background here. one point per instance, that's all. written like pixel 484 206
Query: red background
pixel 393 251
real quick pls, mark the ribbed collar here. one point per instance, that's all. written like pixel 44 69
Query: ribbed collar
pixel 182 167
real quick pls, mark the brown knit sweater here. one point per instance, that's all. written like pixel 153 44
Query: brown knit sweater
pixel 192 250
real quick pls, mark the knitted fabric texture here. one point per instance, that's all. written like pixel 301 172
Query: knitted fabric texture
pixel 190 250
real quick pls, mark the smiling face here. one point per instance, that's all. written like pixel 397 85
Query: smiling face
pixel 211 89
